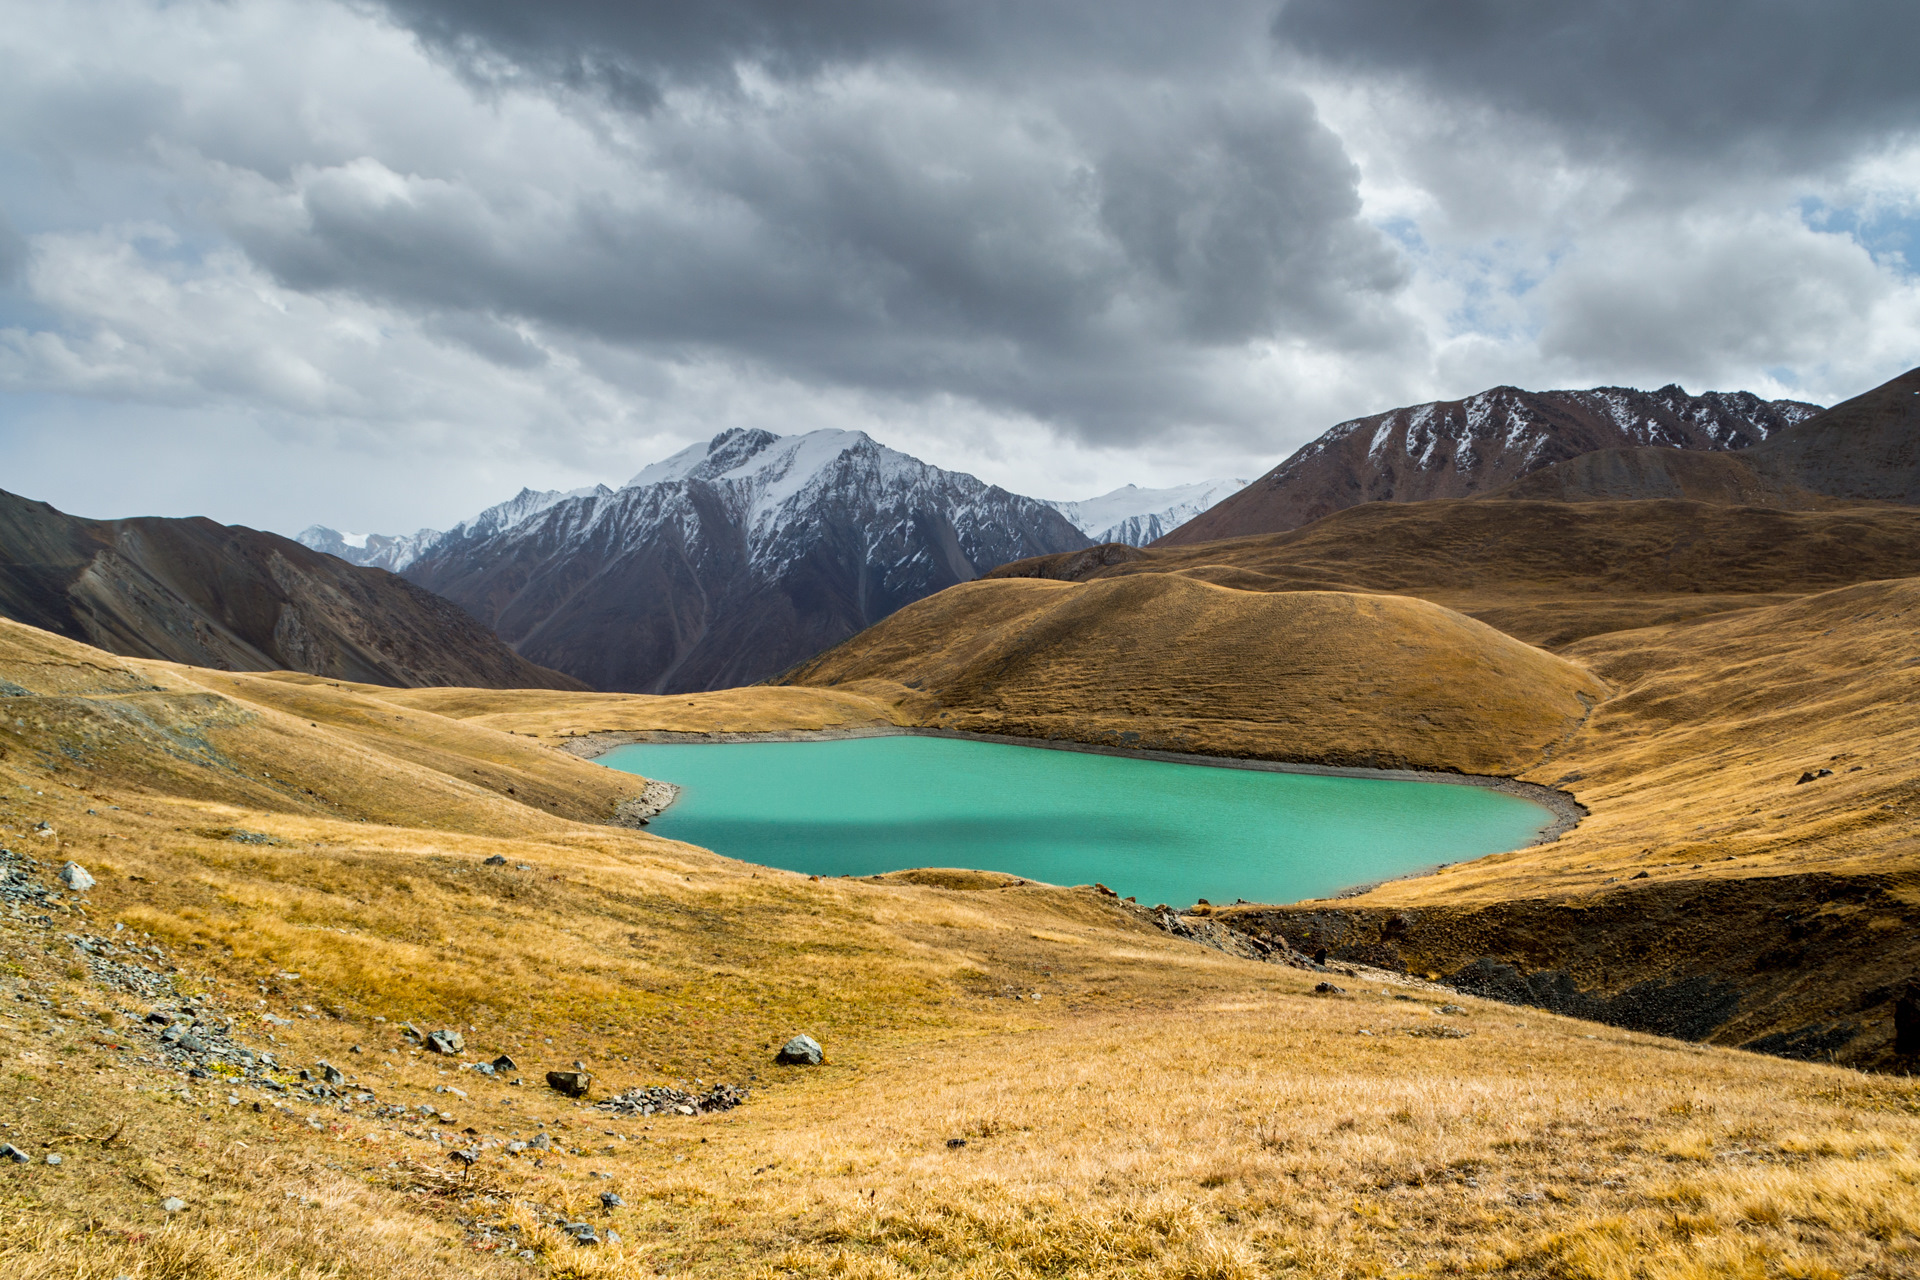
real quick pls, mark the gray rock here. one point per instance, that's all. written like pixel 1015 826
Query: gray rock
pixel 466 1156
pixel 541 1142
pixel 801 1051
pixel 504 1063
pixel 15 1154
pixel 572 1083
pixel 495 861
pixel 582 1232
pixel 163 1017
pixel 516 1147
pixel 332 1074
pixel 173 1204
pixel 613 1237
pixel 75 877
pixel 1328 989
pixel 447 1042
pixel 53 1157
pixel 611 1200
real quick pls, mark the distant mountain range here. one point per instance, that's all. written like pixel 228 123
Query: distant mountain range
pixel 729 561
pixel 238 599
pixel 1136 516
pixel 736 558
pixel 1460 448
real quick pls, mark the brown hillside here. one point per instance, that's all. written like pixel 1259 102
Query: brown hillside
pixel 1170 662
pixel 1548 572
pixel 228 597
pixel 308 869
pixel 1462 448
pixel 1866 449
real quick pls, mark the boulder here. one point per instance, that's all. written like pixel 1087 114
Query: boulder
pixel 15 1154
pixel 447 1042
pixel 801 1051
pixel 572 1083
pixel 504 1063
pixel 75 877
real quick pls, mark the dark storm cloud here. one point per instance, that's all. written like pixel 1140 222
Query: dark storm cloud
pixel 1767 82
pixel 959 222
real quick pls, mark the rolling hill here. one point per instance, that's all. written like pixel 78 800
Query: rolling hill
pixel 1168 662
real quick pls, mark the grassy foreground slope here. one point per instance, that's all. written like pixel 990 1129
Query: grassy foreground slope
pixel 308 862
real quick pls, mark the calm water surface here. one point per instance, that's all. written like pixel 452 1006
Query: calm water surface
pixel 1165 832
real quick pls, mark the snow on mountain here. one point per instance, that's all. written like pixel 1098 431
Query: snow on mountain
pixel 392 552
pixel 730 560
pixel 1460 448
pixel 1137 516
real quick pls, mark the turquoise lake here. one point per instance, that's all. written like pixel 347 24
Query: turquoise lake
pixel 1161 831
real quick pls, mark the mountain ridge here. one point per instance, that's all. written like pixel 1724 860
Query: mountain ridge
pixel 732 560
pixel 233 598
pixel 1462 448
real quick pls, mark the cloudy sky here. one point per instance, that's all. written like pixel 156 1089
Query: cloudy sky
pixel 378 264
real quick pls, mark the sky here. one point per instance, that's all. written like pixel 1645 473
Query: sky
pixel 380 264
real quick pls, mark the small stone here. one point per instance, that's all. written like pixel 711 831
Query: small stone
pixel 15 1154
pixel 496 861
pixel 466 1156
pixel 1452 1008
pixel 1328 989
pixel 75 877
pixel 955 1143
pixel 611 1200
pixel 801 1051
pixel 504 1063
pixel 332 1074
pixel 172 1204
pixel 53 1157
pixel 572 1083
pixel 613 1237
pixel 447 1042
pixel 582 1232
pixel 1642 876
pixel 516 1147
pixel 163 1017
pixel 541 1142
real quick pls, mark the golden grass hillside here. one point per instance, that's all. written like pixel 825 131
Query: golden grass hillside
pixel 1168 662
pixel 311 864
pixel 1549 573
pixel 1787 908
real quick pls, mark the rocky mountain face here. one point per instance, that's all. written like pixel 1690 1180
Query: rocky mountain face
pixel 1136 516
pixel 1866 449
pixel 731 560
pixel 1461 448
pixel 238 599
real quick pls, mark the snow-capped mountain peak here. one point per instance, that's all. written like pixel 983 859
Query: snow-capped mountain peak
pixel 1138 516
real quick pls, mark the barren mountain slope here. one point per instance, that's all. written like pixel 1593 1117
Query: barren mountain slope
pixel 1546 572
pixel 226 596
pixel 1458 448
pixel 286 866
pixel 1866 449
pixel 1168 662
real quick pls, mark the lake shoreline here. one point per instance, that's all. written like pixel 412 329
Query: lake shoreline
pixel 1566 811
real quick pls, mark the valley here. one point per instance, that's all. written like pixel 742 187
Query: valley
pixel 1670 1040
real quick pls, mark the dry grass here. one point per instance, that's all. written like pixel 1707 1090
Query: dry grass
pixel 1162 1111
pixel 1162 660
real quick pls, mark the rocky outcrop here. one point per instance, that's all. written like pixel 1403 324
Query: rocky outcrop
pixel 237 599
pixel 1808 966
